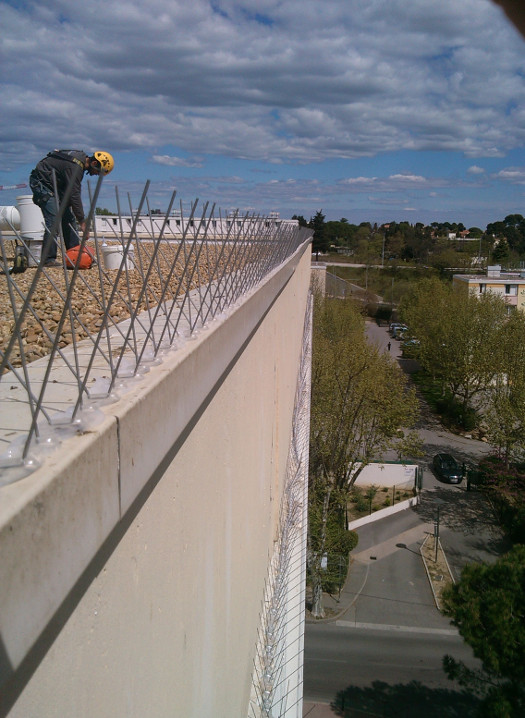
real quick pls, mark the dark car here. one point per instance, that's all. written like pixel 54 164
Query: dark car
pixel 447 468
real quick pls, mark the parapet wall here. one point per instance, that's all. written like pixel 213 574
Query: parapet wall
pixel 133 562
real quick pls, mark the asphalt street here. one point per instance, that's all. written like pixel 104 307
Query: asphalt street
pixel 342 659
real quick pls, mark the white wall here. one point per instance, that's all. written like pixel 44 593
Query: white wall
pixel 388 474
pixel 133 562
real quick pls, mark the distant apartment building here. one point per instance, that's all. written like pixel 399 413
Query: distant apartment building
pixel 509 285
pixel 175 225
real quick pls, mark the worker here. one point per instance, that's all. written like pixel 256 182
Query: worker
pixel 61 168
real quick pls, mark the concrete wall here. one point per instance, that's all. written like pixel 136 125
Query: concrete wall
pixel 133 563
pixel 388 474
pixel 383 513
pixel 319 277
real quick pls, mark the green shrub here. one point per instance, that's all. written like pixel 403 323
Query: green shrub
pixel 361 504
pixel 337 563
pixel 350 541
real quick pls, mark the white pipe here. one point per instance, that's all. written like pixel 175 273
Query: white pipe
pixel 32 224
pixel 9 218
pixel 26 218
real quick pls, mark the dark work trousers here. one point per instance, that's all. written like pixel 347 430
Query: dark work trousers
pixel 69 227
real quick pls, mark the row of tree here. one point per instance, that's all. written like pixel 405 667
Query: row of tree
pixel 476 350
pixel 502 241
pixel 360 402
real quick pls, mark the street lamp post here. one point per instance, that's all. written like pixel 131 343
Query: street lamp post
pixel 438 503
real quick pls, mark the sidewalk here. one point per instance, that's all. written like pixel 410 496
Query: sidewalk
pixel 360 562
pixel 336 606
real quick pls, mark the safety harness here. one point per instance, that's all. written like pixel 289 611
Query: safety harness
pixel 76 156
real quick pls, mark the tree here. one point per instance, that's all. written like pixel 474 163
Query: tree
pixel 301 220
pixel 320 243
pixel 339 233
pixel 501 251
pixel 505 414
pixel 330 541
pixel 488 607
pixel 512 229
pixel 459 335
pixel 475 232
pixel 359 404
pixel 103 211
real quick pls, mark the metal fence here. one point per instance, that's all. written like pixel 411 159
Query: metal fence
pixel 337 287
pixel 74 339
pixel 277 679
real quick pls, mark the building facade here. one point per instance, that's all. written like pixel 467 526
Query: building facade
pixel 508 285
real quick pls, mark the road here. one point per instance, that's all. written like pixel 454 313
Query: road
pixel 383 672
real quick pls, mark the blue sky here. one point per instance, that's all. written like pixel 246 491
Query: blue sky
pixel 374 111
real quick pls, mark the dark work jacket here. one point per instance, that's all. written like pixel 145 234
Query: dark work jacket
pixel 69 167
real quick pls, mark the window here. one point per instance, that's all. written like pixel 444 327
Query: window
pixel 511 290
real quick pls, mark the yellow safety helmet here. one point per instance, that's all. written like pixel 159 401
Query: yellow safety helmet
pixel 105 161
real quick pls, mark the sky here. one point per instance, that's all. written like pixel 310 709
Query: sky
pixel 372 110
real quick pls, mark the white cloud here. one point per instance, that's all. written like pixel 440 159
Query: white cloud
pixel 176 161
pixel 359 180
pixel 475 170
pixel 268 80
pixel 514 175
pixel 407 178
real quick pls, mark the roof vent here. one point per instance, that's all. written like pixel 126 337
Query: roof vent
pixel 494 271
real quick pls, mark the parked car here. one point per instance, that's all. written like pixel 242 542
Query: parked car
pixel 397 326
pixel 400 331
pixel 447 468
pixel 410 348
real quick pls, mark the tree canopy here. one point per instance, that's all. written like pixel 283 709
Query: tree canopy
pixel 459 335
pixel 439 244
pixel 320 241
pixel 505 413
pixel 360 403
pixel 360 399
pixel 488 607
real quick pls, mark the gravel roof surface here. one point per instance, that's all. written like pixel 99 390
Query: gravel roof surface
pixel 91 293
